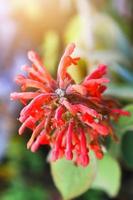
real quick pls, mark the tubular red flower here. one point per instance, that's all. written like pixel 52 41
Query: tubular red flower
pixel 23 95
pixel 65 62
pixel 68 151
pixel 34 58
pixel 58 115
pixel 71 118
pixel 121 112
pixel 84 157
pixel 98 73
pixel 58 144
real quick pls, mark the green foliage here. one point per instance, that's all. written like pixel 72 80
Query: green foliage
pixel 19 190
pixel 20 157
pixel 126 148
pixel 122 127
pixel 92 195
pixel 23 172
pixel 108 176
pixel 50 50
pixel 110 36
pixel 126 123
pixel 72 180
pixel 78 72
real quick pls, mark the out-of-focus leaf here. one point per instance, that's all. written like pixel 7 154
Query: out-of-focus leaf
pixel 72 180
pixel 17 162
pixel 115 149
pixel 121 91
pixel 121 72
pixel 108 57
pixel 110 36
pixel 127 148
pixel 19 190
pixel 73 30
pixel 7 172
pixel 78 72
pixel 50 49
pixel 109 176
pixel 126 123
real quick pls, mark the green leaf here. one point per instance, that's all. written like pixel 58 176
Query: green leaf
pixel 123 125
pixel 19 189
pixel 92 195
pixel 78 72
pixel 126 123
pixel 109 176
pixel 72 180
pixel 126 148
pixel 50 51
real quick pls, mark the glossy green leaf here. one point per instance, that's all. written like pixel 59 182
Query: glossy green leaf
pixel 109 176
pixel 72 180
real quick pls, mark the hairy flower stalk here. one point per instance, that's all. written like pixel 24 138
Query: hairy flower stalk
pixel 71 118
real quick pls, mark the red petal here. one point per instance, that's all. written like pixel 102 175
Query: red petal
pixel 23 95
pixel 101 129
pixel 91 82
pixel 36 103
pixel 121 112
pixel 84 109
pixel 98 73
pixel 26 83
pixel 59 112
pixel 84 158
pixel 66 61
pixel 68 151
pixel 87 117
pixel 68 106
pixel 35 133
pixel 57 145
pixel 39 66
pixel 29 122
pixel 76 88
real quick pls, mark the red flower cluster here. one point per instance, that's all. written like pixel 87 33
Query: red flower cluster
pixel 71 118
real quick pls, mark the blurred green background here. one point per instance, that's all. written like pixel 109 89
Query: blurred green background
pixel 102 31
